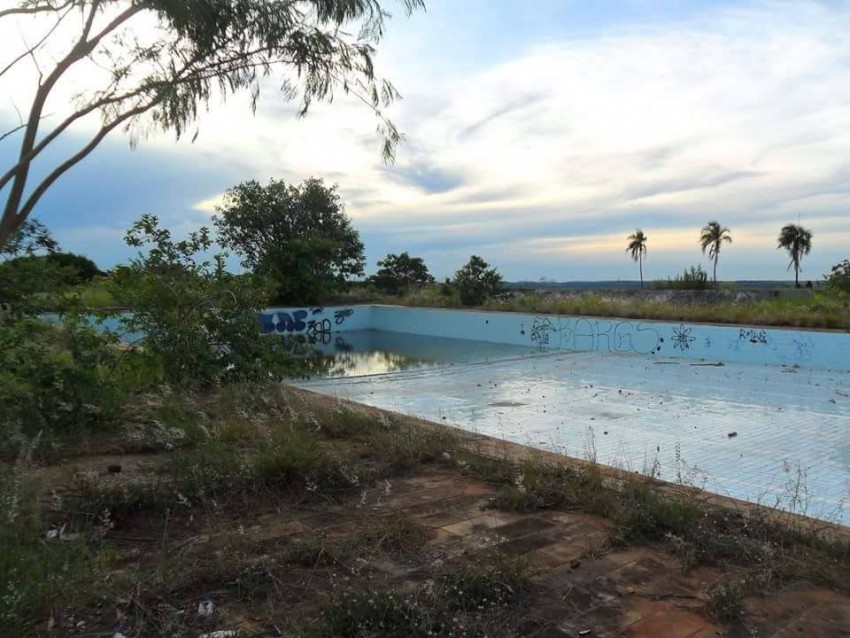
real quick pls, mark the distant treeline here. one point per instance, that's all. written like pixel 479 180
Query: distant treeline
pixel 742 284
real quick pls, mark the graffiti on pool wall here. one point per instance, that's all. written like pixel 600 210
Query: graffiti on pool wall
pixel 297 322
pixel 805 348
pixel 318 328
pixel 284 322
pixel 753 336
pixel 341 315
pixel 682 338
pixel 595 335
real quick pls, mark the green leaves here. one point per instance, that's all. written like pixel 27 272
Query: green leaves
pixel 476 282
pixel 400 273
pixel 297 236
pixel 200 322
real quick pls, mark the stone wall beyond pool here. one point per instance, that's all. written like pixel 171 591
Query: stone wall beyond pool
pixel 695 341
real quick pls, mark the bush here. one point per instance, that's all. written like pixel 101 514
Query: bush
pixel 476 282
pixel 200 322
pixel 58 377
pixel 694 278
pixel 838 280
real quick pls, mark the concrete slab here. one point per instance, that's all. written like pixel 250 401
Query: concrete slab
pixel 776 435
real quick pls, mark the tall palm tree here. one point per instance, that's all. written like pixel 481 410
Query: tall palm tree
pixel 637 249
pixel 798 242
pixel 712 237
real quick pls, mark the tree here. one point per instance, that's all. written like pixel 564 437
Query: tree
pixel 476 282
pixel 637 250
pixel 399 273
pixel 712 237
pixel 798 242
pixel 299 236
pixel 148 78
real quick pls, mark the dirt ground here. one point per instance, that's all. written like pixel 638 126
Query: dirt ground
pixel 268 564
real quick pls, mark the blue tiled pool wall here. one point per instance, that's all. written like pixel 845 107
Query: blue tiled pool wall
pixel 712 343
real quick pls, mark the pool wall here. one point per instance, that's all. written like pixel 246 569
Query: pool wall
pixel 712 343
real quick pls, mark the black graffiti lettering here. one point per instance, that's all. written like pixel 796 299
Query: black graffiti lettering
pixel 753 336
pixel 623 337
pixel 317 329
pixel 603 333
pixel 650 340
pixel 541 330
pixel 341 315
pixel 584 330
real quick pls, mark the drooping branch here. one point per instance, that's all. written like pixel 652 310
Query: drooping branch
pixel 224 45
pixel 31 50
pixel 76 158
pixel 32 8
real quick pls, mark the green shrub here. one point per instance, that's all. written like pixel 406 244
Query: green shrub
pixel 200 322
pixel 694 278
pixel 58 378
pixel 476 282
pixel 838 280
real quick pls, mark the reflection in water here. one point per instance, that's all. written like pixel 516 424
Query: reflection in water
pixel 364 352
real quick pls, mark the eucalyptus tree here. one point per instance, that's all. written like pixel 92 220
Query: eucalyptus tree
pixel 148 65
pixel 798 242
pixel 637 250
pixel 712 237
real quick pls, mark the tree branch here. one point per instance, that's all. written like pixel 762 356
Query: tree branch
pixel 39 191
pixel 37 45
pixel 29 10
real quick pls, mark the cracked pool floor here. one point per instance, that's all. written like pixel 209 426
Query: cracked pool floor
pixel 779 436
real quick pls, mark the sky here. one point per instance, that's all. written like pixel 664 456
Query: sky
pixel 539 134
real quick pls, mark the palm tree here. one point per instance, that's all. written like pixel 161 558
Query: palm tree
pixel 712 237
pixel 798 242
pixel 637 249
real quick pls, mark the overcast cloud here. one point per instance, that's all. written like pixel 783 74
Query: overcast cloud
pixel 539 135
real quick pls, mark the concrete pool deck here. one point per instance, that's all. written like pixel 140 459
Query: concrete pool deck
pixel 775 435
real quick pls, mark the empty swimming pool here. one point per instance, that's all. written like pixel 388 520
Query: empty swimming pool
pixel 755 413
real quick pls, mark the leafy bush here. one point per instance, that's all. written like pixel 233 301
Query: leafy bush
pixel 838 280
pixel 58 377
pixel 476 282
pixel 200 322
pixel 694 278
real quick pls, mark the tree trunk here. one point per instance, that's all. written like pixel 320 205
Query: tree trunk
pixel 715 272
pixel 640 266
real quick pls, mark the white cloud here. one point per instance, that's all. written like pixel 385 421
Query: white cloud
pixel 741 114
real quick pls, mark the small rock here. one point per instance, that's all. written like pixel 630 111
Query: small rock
pixel 732 435
pixel 446 456
pixel 584 632
pixel 575 564
pixel 205 608
pixel 113 469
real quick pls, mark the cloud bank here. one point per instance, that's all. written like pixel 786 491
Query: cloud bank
pixel 544 160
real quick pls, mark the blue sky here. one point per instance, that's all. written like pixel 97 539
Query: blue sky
pixel 539 135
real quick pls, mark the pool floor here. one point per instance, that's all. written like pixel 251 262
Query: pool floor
pixel 779 436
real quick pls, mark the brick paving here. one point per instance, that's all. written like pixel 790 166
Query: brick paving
pixel 581 586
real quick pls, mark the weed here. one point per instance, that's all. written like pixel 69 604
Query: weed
pixel 726 604
pixel 395 533
pixel 476 587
